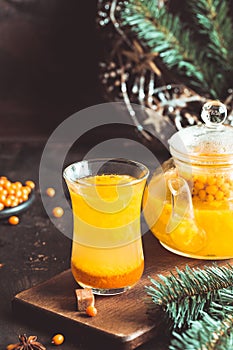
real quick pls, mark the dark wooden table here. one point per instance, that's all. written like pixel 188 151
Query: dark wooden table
pixel 33 251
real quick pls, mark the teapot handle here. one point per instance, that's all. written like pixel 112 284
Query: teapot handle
pixel 182 227
pixel 182 207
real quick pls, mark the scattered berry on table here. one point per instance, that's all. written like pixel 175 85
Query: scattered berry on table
pixel 13 220
pixel 91 311
pixel 58 339
pixel 50 192
pixel 58 212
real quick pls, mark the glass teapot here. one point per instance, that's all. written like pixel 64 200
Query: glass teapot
pixel 188 204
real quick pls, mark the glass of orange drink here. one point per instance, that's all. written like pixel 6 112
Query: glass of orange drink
pixel 106 196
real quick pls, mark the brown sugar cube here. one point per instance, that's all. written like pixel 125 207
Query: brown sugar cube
pixel 85 298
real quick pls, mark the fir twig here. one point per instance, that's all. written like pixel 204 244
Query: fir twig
pixel 164 33
pixel 185 296
pixel 213 19
pixel 206 334
pixel 201 56
pixel 214 25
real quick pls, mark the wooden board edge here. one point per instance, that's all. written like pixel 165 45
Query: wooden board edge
pixel 35 317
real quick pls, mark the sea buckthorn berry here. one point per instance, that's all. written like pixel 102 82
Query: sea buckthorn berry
pixel 18 193
pixel 212 189
pixel 50 192
pixel 202 194
pixel 209 198
pixel 91 311
pixel 30 183
pixel 2 197
pixel 1 206
pixel 7 202
pixel 26 189
pixel 7 184
pixel 58 212
pixel 225 187
pixel 211 180
pixel 220 181
pixel 24 197
pixel 199 185
pixel 219 195
pixel 11 190
pixel 13 186
pixel 195 198
pixel 202 178
pixel 58 339
pixel 195 191
pixel 13 220
pixel 11 196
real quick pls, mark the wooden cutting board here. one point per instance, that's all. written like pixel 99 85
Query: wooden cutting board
pixel 122 320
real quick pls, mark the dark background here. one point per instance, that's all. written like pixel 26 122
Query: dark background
pixel 48 63
pixel 49 53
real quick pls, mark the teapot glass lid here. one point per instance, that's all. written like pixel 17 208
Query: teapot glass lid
pixel 206 141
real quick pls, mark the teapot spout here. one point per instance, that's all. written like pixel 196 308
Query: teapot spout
pixel 182 226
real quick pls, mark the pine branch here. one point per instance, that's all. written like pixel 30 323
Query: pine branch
pixel 214 21
pixel 164 33
pixel 185 296
pixel 206 334
pixel 214 25
pixel 200 56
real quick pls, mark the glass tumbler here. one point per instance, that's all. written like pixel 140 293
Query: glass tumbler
pixel 106 196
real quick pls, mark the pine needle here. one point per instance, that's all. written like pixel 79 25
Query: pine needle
pixel 163 33
pixel 214 25
pixel 213 20
pixel 206 334
pixel 201 56
pixel 185 295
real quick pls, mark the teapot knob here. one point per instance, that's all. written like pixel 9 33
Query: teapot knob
pixel 214 113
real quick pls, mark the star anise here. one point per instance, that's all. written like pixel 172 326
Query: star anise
pixel 27 343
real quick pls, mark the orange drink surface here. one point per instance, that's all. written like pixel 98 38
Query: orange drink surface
pixel 107 249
